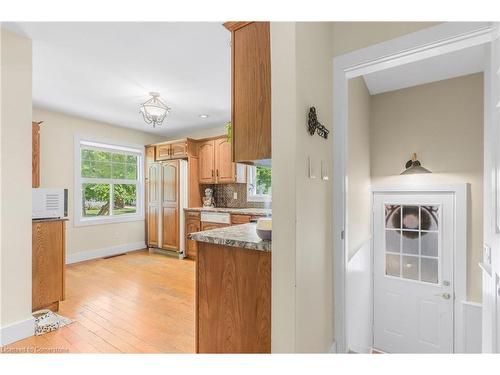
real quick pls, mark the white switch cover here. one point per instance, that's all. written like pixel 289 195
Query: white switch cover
pixel 324 170
pixel 312 172
pixel 235 195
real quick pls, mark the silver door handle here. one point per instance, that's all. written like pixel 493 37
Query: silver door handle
pixel 444 295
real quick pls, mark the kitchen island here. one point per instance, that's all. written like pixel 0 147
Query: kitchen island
pixel 233 291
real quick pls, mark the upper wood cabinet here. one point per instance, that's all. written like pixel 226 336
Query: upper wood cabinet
pixel 178 149
pixel 224 167
pixel 206 161
pixel 215 165
pixel 150 154
pixel 251 90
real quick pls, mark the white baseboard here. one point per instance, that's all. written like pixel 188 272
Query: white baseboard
pixel 472 329
pixel 81 256
pixel 333 347
pixel 17 331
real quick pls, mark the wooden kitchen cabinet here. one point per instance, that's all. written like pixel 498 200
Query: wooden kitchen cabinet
pixel 192 225
pixel 150 154
pixel 233 300
pixel 240 219
pixel 178 149
pixel 170 174
pixel 48 262
pixel 251 91
pixel 215 163
pixel 206 161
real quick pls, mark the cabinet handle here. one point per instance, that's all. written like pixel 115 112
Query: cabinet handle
pixel 217 173
pixel 212 173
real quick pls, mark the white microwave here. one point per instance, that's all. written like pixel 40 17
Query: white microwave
pixel 49 203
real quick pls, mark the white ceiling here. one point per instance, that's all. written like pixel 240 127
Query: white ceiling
pixel 456 64
pixel 103 71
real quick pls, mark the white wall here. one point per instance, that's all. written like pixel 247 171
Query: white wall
pixel 57 170
pixel 16 321
pixel 359 207
pixel 443 123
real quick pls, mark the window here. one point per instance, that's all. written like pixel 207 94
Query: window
pixel 108 183
pixel 259 184
pixel 412 240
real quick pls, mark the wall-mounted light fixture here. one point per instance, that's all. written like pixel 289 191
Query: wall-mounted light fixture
pixel 413 166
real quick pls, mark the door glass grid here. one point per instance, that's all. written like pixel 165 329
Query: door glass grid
pixel 412 240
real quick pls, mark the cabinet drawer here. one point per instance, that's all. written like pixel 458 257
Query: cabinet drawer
pixel 193 214
pixel 208 225
pixel 240 219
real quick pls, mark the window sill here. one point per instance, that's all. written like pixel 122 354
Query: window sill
pixel 111 220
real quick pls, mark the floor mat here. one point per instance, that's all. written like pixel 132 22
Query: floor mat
pixel 48 321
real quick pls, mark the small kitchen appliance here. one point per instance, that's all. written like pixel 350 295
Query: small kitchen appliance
pixel 49 203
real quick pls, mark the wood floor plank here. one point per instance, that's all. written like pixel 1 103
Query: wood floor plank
pixel 137 303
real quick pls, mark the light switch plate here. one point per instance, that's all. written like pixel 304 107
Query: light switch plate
pixel 486 254
pixel 235 195
pixel 312 173
pixel 324 170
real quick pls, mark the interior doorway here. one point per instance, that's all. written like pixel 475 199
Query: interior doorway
pixel 417 49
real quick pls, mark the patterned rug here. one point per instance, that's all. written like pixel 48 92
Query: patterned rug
pixel 47 321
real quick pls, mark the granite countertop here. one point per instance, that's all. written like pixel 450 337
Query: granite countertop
pixel 52 219
pixel 243 236
pixel 240 211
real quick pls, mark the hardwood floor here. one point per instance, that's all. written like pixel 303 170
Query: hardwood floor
pixel 135 303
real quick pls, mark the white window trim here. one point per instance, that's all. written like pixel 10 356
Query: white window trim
pixel 251 177
pixel 134 149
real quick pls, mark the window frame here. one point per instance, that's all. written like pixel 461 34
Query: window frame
pixel 130 149
pixel 251 180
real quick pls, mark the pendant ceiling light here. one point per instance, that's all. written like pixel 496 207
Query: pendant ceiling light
pixel 413 166
pixel 154 110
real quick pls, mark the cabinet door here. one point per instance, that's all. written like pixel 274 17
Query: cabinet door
pixel 206 160
pixel 224 167
pixel 47 263
pixel 251 92
pixel 178 150
pixel 170 205
pixel 192 225
pixel 153 187
pixel 162 152
pixel 150 154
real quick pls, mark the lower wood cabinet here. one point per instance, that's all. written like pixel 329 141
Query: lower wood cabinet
pixel 48 263
pixel 233 300
pixel 192 225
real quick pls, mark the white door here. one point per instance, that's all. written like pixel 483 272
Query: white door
pixel 413 272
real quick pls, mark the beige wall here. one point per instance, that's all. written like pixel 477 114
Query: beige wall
pixel 15 180
pixel 443 123
pixel 57 170
pixel 359 226
pixel 314 198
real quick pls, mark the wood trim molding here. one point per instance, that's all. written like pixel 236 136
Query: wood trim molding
pixel 235 25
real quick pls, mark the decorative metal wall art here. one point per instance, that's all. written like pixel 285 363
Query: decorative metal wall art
pixel 313 125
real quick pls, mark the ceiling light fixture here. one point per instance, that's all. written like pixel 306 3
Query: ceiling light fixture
pixel 413 166
pixel 154 110
pixel 203 116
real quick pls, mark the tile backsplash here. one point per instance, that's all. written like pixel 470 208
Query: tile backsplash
pixel 224 196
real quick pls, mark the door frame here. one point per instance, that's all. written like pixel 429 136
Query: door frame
pixel 460 238
pixel 430 42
